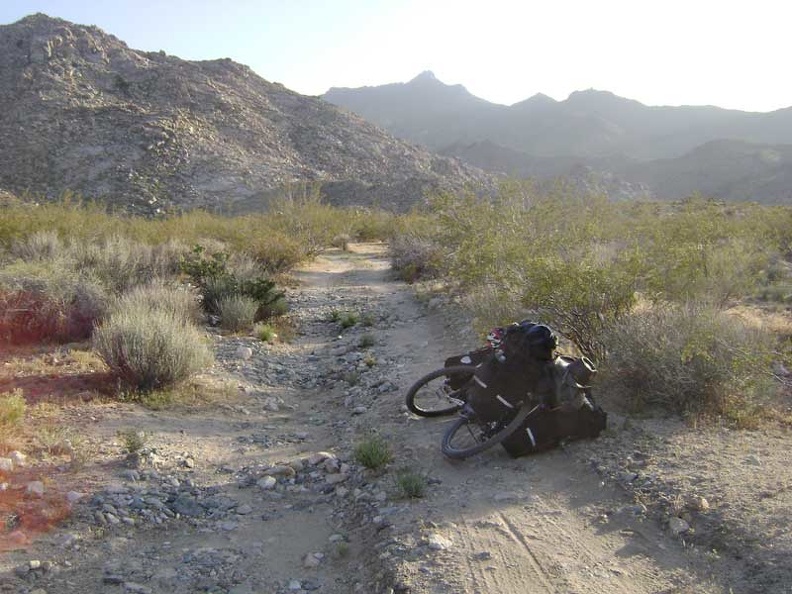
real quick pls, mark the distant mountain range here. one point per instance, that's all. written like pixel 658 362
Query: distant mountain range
pixel 144 131
pixel 617 144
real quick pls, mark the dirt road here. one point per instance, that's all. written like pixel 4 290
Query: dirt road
pixel 262 494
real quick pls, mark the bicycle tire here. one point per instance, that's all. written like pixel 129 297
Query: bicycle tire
pixel 489 440
pixel 439 400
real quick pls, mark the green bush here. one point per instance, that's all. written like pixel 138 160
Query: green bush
pixel 133 440
pixel 578 298
pixel 367 340
pixel 348 319
pixel 276 251
pixel 12 412
pixel 265 332
pixel 411 483
pixel 217 283
pixel 690 360
pixel 149 349
pixel 373 452
pixel 237 312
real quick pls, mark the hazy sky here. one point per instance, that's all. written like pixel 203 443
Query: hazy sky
pixel 730 53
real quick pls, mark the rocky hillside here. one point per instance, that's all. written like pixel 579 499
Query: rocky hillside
pixel 81 111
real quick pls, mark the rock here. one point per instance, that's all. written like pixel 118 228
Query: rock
pixel 438 542
pixel 267 483
pixel 334 479
pixel 677 526
pixel 35 488
pixel 319 457
pixel 6 465
pixel 18 458
pixel 244 510
pixel 505 496
pixel 697 503
pixel 280 470
pixel 244 353
pixel 313 560
pixel 130 474
pixel 271 404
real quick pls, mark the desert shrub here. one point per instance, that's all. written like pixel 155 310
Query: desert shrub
pixel 366 341
pixel 119 263
pixel 237 312
pixel 149 349
pixel 345 319
pixel 215 289
pixel 578 298
pixel 415 258
pixel 87 306
pixel 218 282
pixel 265 332
pixel 41 245
pixel 176 300
pixel 411 483
pixel 276 251
pixel 690 360
pixel 341 241
pixel 132 440
pixel 12 412
pixel 371 224
pixel 45 302
pixel 373 452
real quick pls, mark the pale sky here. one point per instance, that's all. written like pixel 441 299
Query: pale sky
pixel 729 53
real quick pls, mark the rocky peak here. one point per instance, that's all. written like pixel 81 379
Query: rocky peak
pixel 427 76
pixel 81 111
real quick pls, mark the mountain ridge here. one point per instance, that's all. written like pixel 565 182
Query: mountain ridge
pixel 591 129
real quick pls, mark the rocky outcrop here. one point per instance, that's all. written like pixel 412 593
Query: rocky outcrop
pixel 82 112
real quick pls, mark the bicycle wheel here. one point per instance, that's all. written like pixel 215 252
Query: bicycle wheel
pixel 468 435
pixel 433 396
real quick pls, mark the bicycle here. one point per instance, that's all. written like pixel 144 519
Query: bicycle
pixel 444 392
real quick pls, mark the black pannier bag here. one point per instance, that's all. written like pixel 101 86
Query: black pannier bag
pixel 500 386
pixel 476 357
pixel 545 429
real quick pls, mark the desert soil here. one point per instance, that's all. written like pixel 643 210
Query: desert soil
pixel 261 493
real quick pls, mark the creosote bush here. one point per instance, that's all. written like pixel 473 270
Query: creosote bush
pixel 150 349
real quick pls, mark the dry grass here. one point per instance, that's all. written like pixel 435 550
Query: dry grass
pixel 692 360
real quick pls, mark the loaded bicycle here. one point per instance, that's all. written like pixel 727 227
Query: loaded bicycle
pixel 516 391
